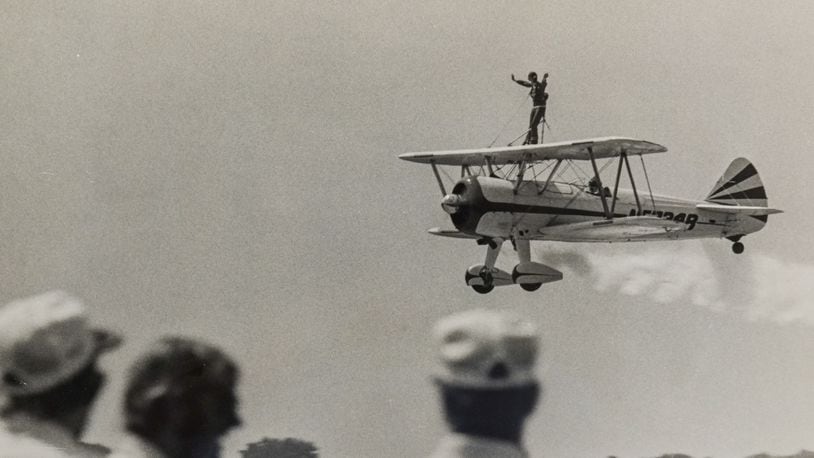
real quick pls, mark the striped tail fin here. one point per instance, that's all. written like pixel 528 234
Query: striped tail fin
pixel 739 185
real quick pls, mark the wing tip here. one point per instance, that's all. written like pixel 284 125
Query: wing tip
pixel 415 157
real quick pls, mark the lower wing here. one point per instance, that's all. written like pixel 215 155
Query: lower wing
pixel 610 230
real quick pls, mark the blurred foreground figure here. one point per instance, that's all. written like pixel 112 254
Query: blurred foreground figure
pixel 179 401
pixel 487 383
pixel 50 380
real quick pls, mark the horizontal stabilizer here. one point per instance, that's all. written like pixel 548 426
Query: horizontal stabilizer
pixel 577 150
pixel 626 228
pixel 453 233
pixel 739 209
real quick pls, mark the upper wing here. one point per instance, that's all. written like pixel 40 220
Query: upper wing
pixel 602 148
pixel 617 229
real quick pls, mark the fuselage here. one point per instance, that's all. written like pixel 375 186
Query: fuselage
pixel 495 207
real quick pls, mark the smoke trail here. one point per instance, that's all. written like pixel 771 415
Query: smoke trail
pixel 758 286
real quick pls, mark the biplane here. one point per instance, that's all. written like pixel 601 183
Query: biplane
pixel 517 194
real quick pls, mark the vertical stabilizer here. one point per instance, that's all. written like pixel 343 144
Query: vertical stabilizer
pixel 739 185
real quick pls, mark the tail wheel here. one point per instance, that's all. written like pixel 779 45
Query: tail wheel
pixel 531 286
pixel 483 289
pixel 737 247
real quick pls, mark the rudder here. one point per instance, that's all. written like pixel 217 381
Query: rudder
pixel 739 185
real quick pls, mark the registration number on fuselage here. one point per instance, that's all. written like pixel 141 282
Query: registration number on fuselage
pixel 687 218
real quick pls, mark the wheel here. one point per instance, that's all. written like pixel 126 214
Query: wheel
pixel 486 276
pixel 483 289
pixel 737 248
pixel 531 286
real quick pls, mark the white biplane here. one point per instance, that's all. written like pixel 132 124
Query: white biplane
pixel 515 193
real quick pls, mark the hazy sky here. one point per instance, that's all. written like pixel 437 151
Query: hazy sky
pixel 229 171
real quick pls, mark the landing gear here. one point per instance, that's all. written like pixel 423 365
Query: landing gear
pixel 737 246
pixel 482 278
pixel 488 281
pixel 524 253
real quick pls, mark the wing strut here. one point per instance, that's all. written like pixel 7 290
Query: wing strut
pixel 632 184
pixel 616 186
pixel 489 165
pixel 438 177
pixel 608 214
pixel 520 171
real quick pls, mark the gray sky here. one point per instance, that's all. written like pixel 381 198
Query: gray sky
pixel 229 171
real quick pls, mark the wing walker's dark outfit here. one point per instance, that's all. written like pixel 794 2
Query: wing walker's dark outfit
pixel 538 97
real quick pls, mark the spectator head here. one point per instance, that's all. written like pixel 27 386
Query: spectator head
pixel 486 349
pixel 487 378
pixel 48 354
pixel 181 397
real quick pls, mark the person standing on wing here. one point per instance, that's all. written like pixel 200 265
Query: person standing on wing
pixel 539 96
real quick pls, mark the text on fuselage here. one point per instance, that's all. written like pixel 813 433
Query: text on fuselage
pixel 687 218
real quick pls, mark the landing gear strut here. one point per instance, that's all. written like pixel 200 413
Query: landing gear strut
pixel 485 272
pixel 524 253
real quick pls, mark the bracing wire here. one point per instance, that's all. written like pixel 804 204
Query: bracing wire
pixel 513 115
pixel 578 171
pixel 604 166
pixel 446 174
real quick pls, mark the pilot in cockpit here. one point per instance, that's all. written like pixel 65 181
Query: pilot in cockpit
pixel 593 186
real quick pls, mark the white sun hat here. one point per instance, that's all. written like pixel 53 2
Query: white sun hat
pixel 487 349
pixel 44 340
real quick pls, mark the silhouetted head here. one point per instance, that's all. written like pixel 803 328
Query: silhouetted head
pixel 533 76
pixel 181 397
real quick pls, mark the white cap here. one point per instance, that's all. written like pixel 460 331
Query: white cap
pixel 487 349
pixel 44 340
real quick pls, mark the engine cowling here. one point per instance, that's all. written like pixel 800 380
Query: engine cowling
pixel 465 205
